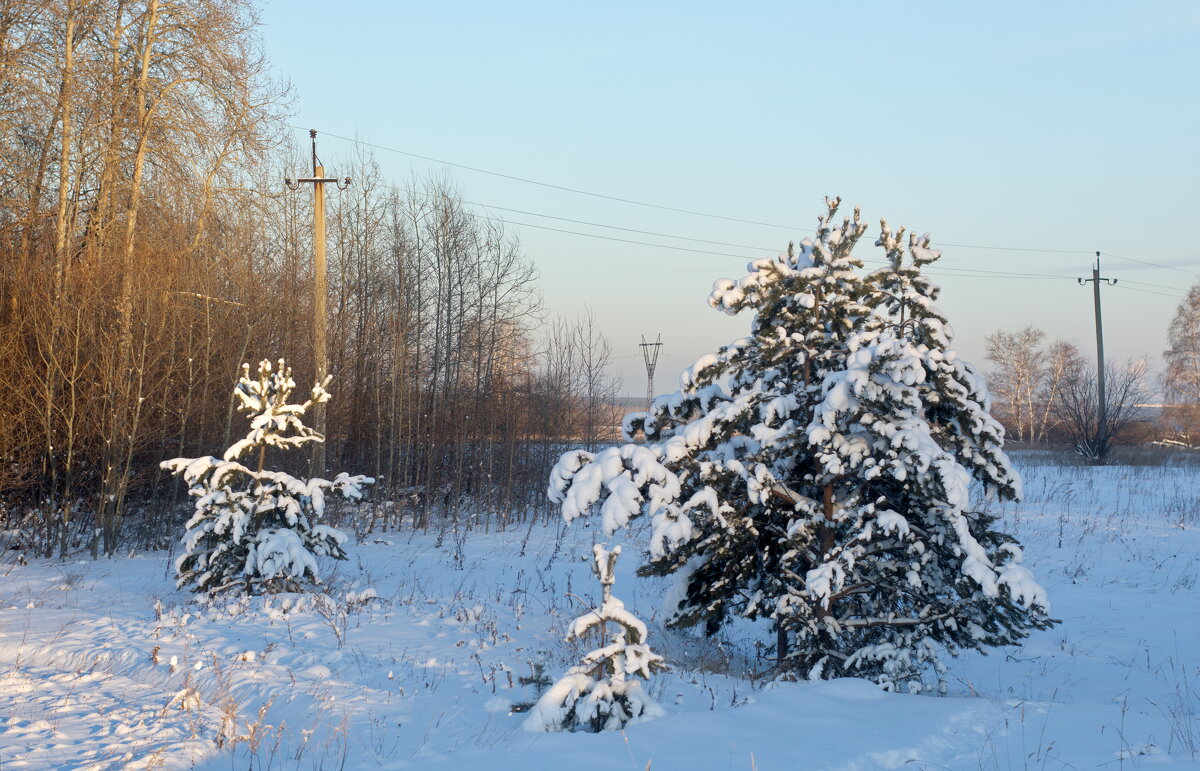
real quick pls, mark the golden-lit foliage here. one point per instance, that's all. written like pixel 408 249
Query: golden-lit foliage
pixel 147 249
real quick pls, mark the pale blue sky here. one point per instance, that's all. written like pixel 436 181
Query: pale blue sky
pixel 1052 125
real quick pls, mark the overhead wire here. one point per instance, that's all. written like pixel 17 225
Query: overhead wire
pixel 635 202
pixel 1145 291
pixel 1152 264
pixel 553 186
pixel 596 224
pixel 1155 286
pixel 940 270
pixel 765 250
pixel 944 270
pixel 617 227
pixel 612 238
pixel 1015 248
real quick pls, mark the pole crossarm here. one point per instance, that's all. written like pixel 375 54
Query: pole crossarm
pixel 294 184
pixel 1096 276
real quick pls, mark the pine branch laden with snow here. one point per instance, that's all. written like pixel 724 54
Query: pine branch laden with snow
pixel 602 692
pixel 255 529
pixel 819 472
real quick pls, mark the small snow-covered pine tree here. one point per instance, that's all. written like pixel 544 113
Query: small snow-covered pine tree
pixel 601 693
pixel 818 473
pixel 253 528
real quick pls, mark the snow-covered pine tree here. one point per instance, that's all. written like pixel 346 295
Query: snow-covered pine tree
pixel 721 447
pixel 601 692
pixel 253 528
pixel 778 490
pixel 909 567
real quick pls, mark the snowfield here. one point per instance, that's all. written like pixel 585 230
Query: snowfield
pixel 413 658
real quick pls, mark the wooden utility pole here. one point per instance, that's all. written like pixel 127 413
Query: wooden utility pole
pixel 1101 400
pixel 320 352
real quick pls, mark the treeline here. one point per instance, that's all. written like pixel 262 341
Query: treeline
pixel 1046 391
pixel 148 248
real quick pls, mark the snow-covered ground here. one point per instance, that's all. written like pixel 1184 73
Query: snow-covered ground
pixel 412 659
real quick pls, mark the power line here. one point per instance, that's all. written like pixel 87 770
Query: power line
pixel 617 227
pixel 594 224
pixel 1014 248
pixel 939 270
pixel 612 238
pixel 764 249
pixel 957 272
pixel 1152 264
pixel 564 188
pixel 936 271
pixel 634 202
pixel 946 271
pixel 990 272
pixel 1147 291
pixel 966 272
pixel 1155 286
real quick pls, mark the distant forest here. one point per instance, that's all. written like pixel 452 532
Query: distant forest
pixel 148 247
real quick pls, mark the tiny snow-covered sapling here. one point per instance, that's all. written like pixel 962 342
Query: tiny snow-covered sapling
pixel 602 692
pixel 256 529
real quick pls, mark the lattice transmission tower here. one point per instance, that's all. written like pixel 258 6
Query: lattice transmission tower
pixel 650 354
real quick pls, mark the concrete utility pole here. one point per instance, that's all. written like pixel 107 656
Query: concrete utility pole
pixel 1101 400
pixel 320 352
pixel 650 354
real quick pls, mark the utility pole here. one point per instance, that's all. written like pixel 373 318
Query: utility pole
pixel 1101 440
pixel 650 354
pixel 320 353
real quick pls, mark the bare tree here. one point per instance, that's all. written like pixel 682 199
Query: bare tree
pixel 1028 379
pixel 1015 383
pixel 1127 388
pixel 1182 380
pixel 138 124
pixel 1062 358
pixel 596 389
